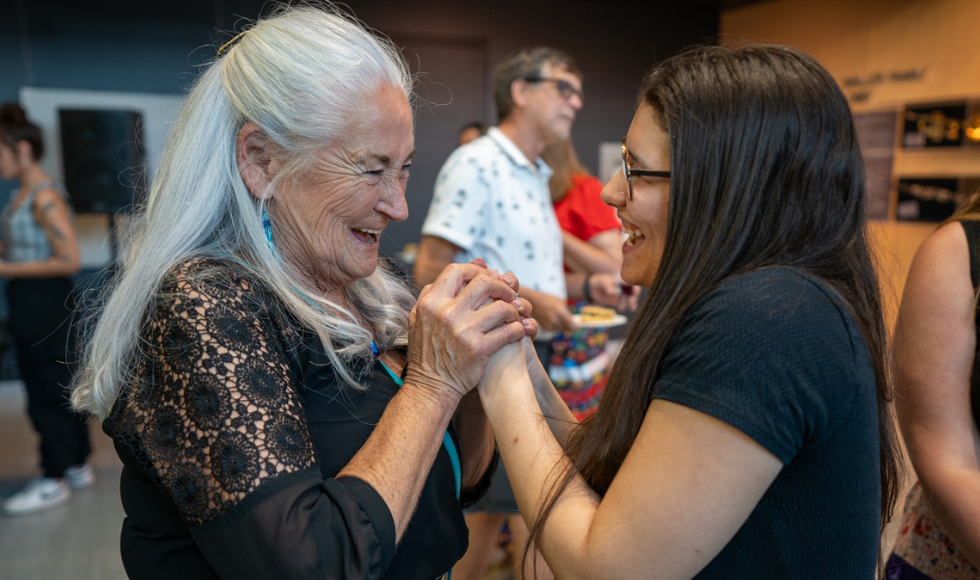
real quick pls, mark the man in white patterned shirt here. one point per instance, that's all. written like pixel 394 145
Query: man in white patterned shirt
pixel 491 197
pixel 492 201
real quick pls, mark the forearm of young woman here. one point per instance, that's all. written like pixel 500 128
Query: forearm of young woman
pixel 560 419
pixel 698 477
pixel 601 253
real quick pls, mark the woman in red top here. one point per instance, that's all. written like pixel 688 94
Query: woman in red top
pixel 593 238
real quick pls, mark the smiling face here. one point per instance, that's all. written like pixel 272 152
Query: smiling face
pixel 645 216
pixel 551 113
pixel 328 221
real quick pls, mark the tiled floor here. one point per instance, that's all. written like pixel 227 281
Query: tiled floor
pixel 79 540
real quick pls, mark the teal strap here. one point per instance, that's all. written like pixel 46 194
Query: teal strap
pixel 398 380
pixel 447 441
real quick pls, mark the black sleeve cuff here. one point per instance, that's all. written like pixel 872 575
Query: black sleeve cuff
pixel 299 526
pixel 376 510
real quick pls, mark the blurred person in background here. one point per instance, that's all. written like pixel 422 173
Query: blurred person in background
pixel 491 200
pixel 40 253
pixel 938 401
pixel 472 132
pixel 592 239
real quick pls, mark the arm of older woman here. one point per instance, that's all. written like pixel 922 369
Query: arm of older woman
pixel 935 345
pixel 224 435
pixel 451 339
pixel 697 475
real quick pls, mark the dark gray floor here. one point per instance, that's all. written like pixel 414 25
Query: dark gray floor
pixel 79 540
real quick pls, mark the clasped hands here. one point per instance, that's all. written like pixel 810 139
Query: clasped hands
pixel 459 322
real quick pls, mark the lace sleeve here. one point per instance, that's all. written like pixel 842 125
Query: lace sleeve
pixel 219 413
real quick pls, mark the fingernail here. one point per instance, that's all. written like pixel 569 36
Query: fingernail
pixel 516 303
pixel 526 322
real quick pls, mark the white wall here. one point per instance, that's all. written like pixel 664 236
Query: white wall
pixel 159 113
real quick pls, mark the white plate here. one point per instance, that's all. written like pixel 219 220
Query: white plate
pixel 617 320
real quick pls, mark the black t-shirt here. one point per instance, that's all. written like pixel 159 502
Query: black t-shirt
pixel 232 438
pixel 773 354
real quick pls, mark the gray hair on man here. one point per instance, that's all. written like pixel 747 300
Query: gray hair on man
pixel 300 75
pixel 522 64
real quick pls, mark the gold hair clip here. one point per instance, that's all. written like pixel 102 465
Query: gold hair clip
pixel 227 46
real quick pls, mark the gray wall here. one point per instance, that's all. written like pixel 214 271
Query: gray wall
pixel 120 45
pixel 615 43
pixel 157 47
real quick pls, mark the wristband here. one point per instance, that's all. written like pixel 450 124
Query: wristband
pixel 586 291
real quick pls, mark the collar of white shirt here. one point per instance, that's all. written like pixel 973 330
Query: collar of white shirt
pixel 517 157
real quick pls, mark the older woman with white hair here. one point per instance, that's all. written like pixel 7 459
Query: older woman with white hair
pixel 280 407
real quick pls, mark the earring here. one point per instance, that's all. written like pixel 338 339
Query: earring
pixel 267 227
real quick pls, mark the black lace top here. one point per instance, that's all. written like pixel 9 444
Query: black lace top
pixel 230 440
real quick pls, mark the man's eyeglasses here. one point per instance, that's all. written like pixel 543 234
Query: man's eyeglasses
pixel 629 172
pixel 565 88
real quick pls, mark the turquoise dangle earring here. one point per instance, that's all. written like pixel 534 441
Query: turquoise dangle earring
pixel 267 228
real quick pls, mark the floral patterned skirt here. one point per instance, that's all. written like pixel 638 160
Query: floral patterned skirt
pixel 579 368
pixel 923 551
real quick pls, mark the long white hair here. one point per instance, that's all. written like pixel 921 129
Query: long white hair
pixel 300 75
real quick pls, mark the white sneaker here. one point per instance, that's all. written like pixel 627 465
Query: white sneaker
pixel 80 476
pixel 40 494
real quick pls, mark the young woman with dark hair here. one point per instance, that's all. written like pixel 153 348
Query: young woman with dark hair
pixel 40 252
pixel 745 430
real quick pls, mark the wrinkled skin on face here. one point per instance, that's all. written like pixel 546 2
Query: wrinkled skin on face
pixel 327 222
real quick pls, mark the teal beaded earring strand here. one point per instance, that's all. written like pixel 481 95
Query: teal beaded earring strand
pixel 267 228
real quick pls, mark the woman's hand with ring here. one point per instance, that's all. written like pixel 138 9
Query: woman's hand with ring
pixel 531 327
pixel 453 331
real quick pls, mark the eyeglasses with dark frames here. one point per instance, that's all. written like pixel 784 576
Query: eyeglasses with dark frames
pixel 629 172
pixel 565 88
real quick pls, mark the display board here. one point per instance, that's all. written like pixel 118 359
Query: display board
pixel 158 113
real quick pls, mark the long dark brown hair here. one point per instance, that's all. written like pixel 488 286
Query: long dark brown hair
pixel 765 171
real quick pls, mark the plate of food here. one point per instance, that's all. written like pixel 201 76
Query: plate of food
pixel 598 317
